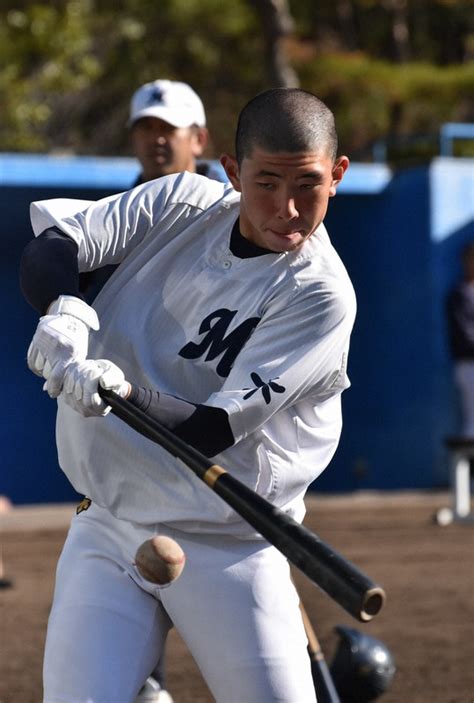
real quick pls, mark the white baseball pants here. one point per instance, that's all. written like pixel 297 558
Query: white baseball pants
pixel 234 605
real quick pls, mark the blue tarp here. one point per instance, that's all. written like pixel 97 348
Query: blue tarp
pixel 399 235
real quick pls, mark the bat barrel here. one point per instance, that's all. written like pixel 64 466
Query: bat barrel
pixel 333 573
pixel 322 564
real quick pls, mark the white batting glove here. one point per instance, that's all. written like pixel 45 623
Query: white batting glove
pixel 81 383
pixel 62 336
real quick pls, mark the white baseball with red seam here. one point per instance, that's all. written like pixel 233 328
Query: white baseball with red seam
pixel 160 560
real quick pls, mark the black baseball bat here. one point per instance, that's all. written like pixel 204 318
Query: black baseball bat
pixel 323 565
pixel 323 684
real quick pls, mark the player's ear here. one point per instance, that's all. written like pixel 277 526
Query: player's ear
pixel 200 141
pixel 231 167
pixel 338 170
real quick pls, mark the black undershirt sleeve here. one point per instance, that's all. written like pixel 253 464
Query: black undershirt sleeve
pixel 49 268
pixel 205 428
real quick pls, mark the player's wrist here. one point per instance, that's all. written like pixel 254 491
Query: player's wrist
pixel 125 390
pixel 76 307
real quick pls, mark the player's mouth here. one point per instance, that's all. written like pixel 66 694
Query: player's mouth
pixel 287 235
pixel 161 156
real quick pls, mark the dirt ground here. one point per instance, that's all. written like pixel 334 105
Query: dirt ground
pixel 426 570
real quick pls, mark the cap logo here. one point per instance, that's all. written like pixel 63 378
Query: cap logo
pixel 156 96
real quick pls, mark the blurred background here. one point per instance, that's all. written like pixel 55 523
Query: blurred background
pixel 399 76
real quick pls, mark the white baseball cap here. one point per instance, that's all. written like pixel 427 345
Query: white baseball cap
pixel 170 101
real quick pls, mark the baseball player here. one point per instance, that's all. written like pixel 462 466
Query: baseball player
pixel 229 321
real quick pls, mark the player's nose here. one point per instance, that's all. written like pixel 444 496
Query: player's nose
pixel 287 209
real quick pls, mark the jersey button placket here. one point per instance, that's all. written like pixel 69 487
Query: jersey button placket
pixel 226 264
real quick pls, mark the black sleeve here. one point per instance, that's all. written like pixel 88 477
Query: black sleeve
pixel 204 428
pixel 207 430
pixel 49 268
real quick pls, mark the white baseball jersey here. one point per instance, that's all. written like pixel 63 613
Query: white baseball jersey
pixel 265 338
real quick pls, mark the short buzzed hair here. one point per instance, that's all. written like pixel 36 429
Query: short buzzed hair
pixel 285 120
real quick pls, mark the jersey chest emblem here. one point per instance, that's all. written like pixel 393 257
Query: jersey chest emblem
pixel 217 341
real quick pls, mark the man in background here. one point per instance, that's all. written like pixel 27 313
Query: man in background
pixel 460 315
pixel 168 133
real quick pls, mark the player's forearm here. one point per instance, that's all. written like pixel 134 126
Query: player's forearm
pixel 49 268
pixel 203 427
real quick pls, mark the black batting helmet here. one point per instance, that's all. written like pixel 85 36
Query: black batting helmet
pixel 362 668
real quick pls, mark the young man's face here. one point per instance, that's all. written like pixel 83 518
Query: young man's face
pixel 284 196
pixel 163 149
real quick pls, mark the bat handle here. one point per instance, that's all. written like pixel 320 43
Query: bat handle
pixel 323 684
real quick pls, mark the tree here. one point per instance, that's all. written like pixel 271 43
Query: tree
pixel 69 67
pixel 277 24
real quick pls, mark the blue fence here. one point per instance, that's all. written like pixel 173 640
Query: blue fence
pixel 398 233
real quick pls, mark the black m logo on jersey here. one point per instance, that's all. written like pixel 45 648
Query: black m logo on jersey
pixel 215 341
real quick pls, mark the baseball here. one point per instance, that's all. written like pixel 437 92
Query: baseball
pixel 160 560
pixel 443 517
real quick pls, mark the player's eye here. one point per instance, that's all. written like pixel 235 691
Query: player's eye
pixel 266 186
pixel 311 185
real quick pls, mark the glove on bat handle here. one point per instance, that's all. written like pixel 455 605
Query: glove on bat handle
pixel 324 566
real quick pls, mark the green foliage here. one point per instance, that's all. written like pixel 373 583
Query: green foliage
pixel 44 53
pixel 374 99
pixel 69 67
pixel 438 31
